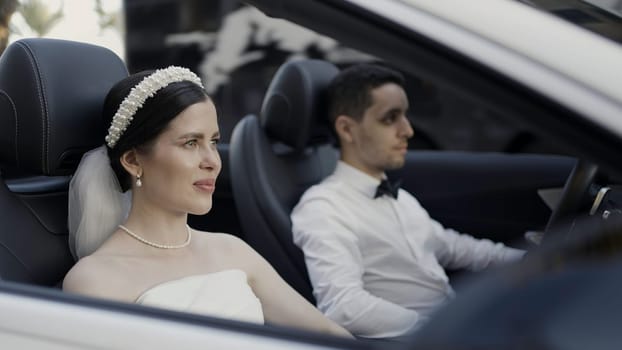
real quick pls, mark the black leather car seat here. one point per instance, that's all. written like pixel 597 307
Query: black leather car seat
pixel 51 96
pixel 276 157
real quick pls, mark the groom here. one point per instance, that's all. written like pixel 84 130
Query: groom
pixel 375 257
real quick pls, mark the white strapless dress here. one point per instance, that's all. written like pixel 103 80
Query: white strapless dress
pixel 224 294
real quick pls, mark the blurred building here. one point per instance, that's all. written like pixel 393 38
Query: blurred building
pixel 237 49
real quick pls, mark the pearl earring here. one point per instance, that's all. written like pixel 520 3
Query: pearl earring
pixel 139 183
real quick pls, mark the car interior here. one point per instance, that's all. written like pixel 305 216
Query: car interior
pixel 51 94
pixel 290 147
pixel 271 160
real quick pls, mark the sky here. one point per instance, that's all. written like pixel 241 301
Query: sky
pixel 79 23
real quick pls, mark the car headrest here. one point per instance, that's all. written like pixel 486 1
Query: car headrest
pixel 51 98
pixel 294 110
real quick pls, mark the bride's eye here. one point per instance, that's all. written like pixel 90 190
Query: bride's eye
pixel 191 143
pixel 214 141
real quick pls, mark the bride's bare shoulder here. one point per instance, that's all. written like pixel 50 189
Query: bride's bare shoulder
pixel 224 241
pixel 94 275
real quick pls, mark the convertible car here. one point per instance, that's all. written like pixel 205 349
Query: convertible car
pixel 552 67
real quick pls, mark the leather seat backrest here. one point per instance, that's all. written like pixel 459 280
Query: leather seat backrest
pixel 51 96
pixel 276 157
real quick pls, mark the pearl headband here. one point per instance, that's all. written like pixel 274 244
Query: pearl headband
pixel 140 93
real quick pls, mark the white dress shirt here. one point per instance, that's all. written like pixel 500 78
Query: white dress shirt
pixel 376 265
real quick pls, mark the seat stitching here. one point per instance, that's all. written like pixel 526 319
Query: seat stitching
pixel 45 119
pixel 16 122
pixel 18 260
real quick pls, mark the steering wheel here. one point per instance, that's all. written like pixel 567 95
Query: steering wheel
pixel 574 194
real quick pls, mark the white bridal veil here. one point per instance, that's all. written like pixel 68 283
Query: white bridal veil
pixel 96 204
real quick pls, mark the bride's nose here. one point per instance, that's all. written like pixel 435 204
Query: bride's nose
pixel 210 159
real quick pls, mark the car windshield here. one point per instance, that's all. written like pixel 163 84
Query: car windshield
pixel 603 17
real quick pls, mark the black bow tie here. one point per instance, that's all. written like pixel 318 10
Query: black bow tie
pixel 388 188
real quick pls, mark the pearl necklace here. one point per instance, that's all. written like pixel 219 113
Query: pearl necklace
pixel 157 245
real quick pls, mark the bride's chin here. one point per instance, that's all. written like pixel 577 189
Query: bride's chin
pixel 201 211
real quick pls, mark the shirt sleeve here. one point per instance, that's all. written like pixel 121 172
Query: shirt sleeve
pixel 335 266
pixel 457 250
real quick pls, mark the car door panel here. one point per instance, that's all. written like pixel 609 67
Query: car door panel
pixel 491 195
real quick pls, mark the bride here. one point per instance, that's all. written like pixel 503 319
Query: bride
pixel 128 207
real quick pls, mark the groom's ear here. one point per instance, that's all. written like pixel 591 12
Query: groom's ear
pixel 130 162
pixel 344 126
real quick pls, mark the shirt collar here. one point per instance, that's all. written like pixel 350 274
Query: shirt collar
pixel 357 179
